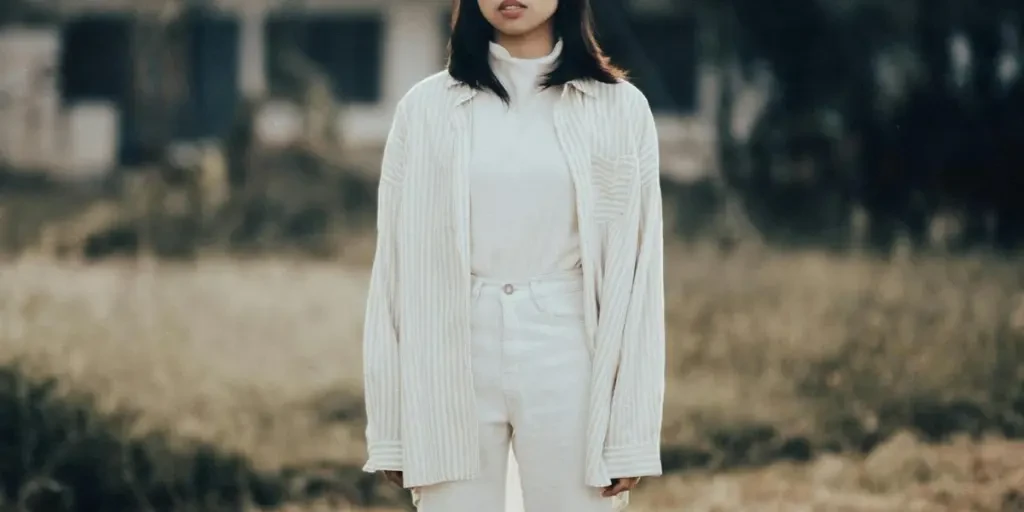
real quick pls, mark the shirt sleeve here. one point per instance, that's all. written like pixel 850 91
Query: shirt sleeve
pixel 633 444
pixel 381 366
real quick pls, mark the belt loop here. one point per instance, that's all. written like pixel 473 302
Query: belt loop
pixel 475 289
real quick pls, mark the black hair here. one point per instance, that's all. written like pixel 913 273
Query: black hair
pixel 581 57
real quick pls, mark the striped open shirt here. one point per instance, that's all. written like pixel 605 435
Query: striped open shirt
pixel 420 402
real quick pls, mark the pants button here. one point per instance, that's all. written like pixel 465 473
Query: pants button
pixel 508 289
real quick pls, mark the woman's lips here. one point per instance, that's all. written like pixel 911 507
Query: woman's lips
pixel 511 9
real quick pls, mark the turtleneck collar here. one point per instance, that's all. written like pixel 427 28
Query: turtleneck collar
pixel 521 76
pixel 498 52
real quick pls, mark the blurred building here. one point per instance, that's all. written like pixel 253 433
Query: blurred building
pixel 370 52
pixel 29 97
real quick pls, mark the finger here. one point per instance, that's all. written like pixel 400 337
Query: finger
pixel 394 477
pixel 622 485
pixel 617 487
pixel 612 491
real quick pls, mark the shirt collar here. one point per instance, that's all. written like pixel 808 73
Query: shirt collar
pixel 584 86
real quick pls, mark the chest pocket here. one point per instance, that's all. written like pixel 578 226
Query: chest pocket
pixel 613 179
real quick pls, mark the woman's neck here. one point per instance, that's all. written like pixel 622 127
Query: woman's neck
pixel 531 45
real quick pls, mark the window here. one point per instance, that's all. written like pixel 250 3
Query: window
pixel 213 64
pixel 95 63
pixel 347 49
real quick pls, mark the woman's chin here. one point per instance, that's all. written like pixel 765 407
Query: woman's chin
pixel 515 28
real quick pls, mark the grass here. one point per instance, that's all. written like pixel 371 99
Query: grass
pixel 797 381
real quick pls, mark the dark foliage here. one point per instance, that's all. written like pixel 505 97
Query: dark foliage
pixel 939 147
pixel 57 453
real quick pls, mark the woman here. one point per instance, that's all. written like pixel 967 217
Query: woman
pixel 516 295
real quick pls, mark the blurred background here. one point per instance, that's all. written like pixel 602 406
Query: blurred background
pixel 187 192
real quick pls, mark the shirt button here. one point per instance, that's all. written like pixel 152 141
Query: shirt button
pixel 508 288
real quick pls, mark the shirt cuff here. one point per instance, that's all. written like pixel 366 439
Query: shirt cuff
pixel 633 461
pixel 384 456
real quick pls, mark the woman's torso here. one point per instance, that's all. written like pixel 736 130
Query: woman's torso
pixel 522 197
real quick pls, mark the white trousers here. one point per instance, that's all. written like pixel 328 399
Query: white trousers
pixel 531 368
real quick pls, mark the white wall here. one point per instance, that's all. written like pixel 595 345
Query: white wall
pixel 29 97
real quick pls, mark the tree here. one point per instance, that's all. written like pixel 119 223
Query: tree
pixel 930 146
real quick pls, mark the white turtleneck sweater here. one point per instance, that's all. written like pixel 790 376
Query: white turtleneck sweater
pixel 522 198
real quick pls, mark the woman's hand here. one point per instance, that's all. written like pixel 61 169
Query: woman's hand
pixel 620 485
pixel 394 477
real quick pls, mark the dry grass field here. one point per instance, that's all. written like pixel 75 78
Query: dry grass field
pixel 798 382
